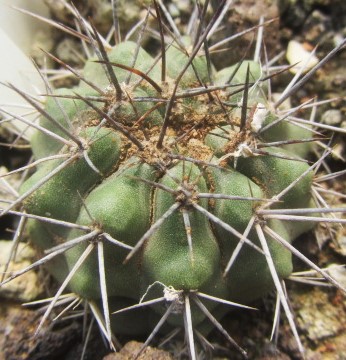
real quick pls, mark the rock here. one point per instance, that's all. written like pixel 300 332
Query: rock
pixel 298 54
pixel 26 287
pixel 318 317
pixel 70 51
pixel 182 5
pixel 338 272
pixel 295 12
pixel 243 15
pixel 24 252
pixel 332 117
pixel 100 11
pixel 317 27
pixel 18 342
pixel 131 349
pixel 7 186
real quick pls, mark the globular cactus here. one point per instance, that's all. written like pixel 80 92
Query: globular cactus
pixel 164 181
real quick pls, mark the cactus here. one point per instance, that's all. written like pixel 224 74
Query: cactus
pixel 165 183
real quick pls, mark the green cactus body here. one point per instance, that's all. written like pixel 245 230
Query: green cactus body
pixel 167 257
pixel 126 189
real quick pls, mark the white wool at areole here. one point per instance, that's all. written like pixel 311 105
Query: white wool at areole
pixel 17 31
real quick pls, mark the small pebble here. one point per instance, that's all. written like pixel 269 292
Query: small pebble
pixel 338 272
pixel 131 349
pixel 26 287
pixel 332 117
pixel 317 317
pixel 297 54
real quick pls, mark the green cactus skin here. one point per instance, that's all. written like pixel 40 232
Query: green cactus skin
pixel 165 186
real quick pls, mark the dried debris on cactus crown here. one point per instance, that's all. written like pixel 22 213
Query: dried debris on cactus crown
pixel 163 183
